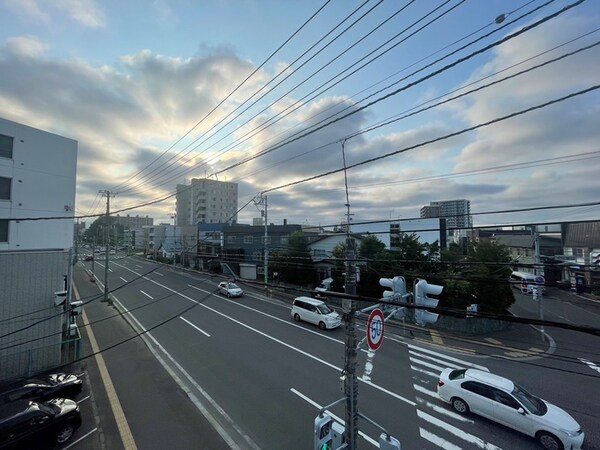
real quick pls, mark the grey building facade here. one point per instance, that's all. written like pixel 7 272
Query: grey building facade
pixel 456 212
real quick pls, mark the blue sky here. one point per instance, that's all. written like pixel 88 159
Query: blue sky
pixel 128 79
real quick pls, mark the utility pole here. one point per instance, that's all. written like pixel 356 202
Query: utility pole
pixel 108 195
pixel 351 341
pixel 266 263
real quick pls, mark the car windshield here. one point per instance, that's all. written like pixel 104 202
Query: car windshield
pixel 534 404
pixel 49 408
pixel 324 309
pixel 233 286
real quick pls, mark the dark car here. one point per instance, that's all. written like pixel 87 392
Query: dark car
pixel 44 388
pixel 26 423
pixel 89 258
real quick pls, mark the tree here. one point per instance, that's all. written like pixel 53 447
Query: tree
pixel 294 264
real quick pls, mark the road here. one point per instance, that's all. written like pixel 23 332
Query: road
pixel 260 378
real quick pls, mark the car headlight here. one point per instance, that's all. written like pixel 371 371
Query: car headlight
pixel 572 433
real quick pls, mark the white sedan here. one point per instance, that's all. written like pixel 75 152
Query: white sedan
pixel 230 289
pixel 501 400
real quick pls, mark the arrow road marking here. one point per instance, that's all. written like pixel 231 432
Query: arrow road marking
pixel 590 364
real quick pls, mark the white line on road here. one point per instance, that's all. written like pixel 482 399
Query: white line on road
pixel 138 266
pixel 426 364
pixel 333 416
pixel 590 364
pixel 123 279
pixel 422 390
pixel 449 358
pixel 444 411
pixel 456 431
pixel 426 372
pixel 83 399
pixel 80 439
pixel 159 274
pixel 147 295
pixel 431 358
pixel 438 441
pixel 194 326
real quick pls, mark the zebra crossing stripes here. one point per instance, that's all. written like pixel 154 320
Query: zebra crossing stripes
pixel 437 420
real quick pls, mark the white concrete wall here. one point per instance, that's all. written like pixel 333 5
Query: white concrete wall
pixel 43 171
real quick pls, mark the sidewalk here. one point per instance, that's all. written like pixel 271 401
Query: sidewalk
pixel 137 403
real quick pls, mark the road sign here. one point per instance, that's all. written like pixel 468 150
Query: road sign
pixel 375 329
pixel 540 280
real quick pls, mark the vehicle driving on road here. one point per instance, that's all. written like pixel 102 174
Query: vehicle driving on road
pixel 499 399
pixel 315 311
pixel 230 289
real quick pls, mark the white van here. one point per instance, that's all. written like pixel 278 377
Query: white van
pixel 315 311
pixel 525 282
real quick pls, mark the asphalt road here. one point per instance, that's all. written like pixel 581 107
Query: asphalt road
pixel 260 378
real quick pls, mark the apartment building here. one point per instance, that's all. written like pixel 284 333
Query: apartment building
pixel 37 180
pixel 456 212
pixel 206 201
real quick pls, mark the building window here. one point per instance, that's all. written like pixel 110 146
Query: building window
pixel 5 188
pixel 578 252
pixel 248 240
pixel 3 230
pixel 283 240
pixel 231 239
pixel 6 146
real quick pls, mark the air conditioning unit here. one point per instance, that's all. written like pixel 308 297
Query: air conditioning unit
pixel 60 297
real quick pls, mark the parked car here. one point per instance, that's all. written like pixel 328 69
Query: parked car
pixel 89 258
pixel 230 289
pixel 499 399
pixel 28 422
pixel 44 388
pixel 315 311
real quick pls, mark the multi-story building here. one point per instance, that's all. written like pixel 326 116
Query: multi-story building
pixel 37 180
pixel 206 201
pixel 132 222
pixel 456 212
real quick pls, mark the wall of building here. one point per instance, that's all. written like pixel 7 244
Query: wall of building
pixel 43 172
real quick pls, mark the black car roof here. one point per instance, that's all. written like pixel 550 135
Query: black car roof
pixel 16 408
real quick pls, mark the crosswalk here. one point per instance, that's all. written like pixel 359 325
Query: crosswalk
pixel 439 424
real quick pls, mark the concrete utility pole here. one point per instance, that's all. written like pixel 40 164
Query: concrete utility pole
pixel 349 307
pixel 108 195
pixel 266 274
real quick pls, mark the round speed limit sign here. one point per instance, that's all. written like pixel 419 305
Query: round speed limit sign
pixel 375 329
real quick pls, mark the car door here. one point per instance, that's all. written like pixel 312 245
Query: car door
pixel 506 412
pixel 479 398
pixel 312 314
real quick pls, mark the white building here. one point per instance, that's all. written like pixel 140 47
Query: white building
pixel 37 181
pixel 207 201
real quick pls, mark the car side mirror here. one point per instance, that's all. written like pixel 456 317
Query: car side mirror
pixel 521 411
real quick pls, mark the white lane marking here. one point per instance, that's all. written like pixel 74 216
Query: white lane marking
pixel 369 365
pixel 438 441
pixel 159 274
pixel 110 270
pixel 83 399
pixel 456 431
pixel 216 425
pixel 426 372
pixel 449 358
pixel 431 358
pixel 147 295
pixel 194 326
pixel 444 411
pixel 333 416
pixel 123 279
pixel 80 439
pixel 590 364
pixel 139 267
pixel 422 390
pixel 285 344
pixel 426 364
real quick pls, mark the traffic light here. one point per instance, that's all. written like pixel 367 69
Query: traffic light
pixel 387 442
pixel 421 291
pixel 397 286
pixel 323 432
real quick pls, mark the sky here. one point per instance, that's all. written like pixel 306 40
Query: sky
pixel 275 95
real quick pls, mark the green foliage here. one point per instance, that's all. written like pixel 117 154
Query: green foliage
pixel 294 264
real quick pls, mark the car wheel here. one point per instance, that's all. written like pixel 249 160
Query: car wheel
pixel 322 325
pixel 64 434
pixel 459 405
pixel 296 317
pixel 549 441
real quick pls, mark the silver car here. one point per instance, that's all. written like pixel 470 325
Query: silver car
pixel 230 289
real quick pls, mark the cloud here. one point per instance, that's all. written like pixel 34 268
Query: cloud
pixel 86 13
